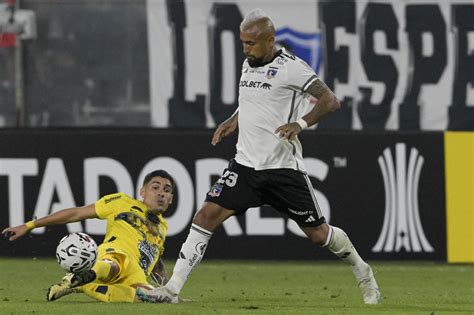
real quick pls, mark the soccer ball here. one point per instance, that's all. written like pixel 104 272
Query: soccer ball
pixel 76 252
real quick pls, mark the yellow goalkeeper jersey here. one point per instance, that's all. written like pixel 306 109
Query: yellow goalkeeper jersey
pixel 131 229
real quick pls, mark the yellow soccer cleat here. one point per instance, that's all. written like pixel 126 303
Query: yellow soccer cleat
pixel 61 289
pixel 69 284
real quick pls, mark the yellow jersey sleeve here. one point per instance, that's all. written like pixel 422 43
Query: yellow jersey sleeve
pixel 107 205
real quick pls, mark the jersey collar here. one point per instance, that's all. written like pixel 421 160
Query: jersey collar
pixel 278 53
pixel 153 217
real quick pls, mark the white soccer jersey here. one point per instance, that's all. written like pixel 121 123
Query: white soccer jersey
pixel 271 96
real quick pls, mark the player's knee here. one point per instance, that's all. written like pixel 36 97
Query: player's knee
pixel 211 216
pixel 114 269
pixel 319 235
pixel 204 219
pixel 318 239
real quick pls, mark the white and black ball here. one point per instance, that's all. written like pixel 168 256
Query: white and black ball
pixel 76 252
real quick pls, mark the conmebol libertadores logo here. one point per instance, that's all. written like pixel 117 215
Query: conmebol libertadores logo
pixel 401 225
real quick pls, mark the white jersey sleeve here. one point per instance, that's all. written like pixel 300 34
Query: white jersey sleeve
pixel 300 75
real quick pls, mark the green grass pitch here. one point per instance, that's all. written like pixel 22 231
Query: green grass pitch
pixel 259 287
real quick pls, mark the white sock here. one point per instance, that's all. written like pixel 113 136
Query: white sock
pixel 190 256
pixel 339 243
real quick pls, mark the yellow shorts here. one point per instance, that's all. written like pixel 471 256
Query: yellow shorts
pixel 130 271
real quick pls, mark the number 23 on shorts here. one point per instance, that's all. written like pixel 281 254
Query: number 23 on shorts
pixel 229 178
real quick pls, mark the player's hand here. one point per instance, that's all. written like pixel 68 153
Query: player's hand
pixel 288 131
pixel 223 130
pixel 12 233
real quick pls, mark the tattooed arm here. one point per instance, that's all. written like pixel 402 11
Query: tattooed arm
pixel 327 104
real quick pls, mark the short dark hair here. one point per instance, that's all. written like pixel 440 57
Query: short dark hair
pixel 160 173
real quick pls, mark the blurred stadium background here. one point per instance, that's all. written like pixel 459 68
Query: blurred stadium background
pixel 94 94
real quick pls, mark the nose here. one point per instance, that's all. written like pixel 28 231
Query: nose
pixel 161 193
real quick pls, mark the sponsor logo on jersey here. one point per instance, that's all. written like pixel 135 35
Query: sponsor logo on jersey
pixel 148 254
pixel 112 199
pixel 266 86
pixel 281 60
pixel 255 84
pixel 401 225
pixel 258 71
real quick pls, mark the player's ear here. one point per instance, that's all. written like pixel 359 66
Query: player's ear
pixel 142 192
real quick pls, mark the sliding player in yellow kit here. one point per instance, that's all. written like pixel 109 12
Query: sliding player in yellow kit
pixel 132 247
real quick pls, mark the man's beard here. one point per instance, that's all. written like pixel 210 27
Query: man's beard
pixel 256 62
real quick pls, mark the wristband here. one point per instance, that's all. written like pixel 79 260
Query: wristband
pixel 303 124
pixel 30 225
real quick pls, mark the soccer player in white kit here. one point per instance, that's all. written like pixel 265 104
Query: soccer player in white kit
pixel 268 166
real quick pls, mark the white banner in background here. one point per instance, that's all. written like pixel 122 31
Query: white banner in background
pixel 398 65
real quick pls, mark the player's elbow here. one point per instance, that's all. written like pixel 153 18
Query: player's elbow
pixel 333 105
pixel 331 102
pixel 73 216
pixel 79 214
